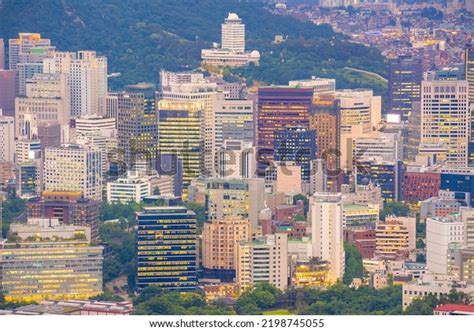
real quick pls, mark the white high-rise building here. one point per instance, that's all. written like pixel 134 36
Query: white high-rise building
pixel 74 168
pixel 264 259
pixel 232 51
pixel 359 107
pixel 326 217
pixel 87 74
pixel 445 120
pixel 7 138
pixel 233 34
pixel 440 232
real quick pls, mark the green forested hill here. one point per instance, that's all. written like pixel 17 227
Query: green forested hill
pixel 140 37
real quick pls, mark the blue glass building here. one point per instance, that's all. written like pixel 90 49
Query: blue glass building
pixel 298 145
pixel 166 248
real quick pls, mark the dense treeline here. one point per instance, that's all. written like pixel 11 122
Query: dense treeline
pixel 264 298
pixel 140 37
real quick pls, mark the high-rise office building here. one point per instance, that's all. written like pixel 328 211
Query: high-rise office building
pixel 23 45
pixel 388 146
pixel 8 83
pixel 279 108
pixel 440 233
pixel 325 120
pixel 296 145
pixel 444 102
pixel 46 102
pixel 326 217
pixel 229 197
pixel 7 138
pixel 29 179
pixel 74 168
pixel 166 248
pixel 137 129
pixel 234 120
pixel 219 243
pixel 460 183
pixel 181 132
pixel 469 69
pixel 87 76
pixel 70 208
pixel 359 107
pixel 385 174
pixel 404 85
pixel 263 259
pixel 200 91
pixel 469 77
pixel 2 54
pixel 236 159
pixel 45 260
pixel 31 64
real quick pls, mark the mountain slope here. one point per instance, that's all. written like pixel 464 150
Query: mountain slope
pixel 140 37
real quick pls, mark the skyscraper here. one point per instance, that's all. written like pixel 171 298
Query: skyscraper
pixel 137 129
pixel 404 79
pixel 30 64
pixel 7 139
pixel 358 107
pixel 198 90
pixel 46 102
pixel 325 120
pixel 181 128
pixel 296 145
pixel 445 119
pixel 2 54
pixel 8 84
pixel 220 240
pixel 469 76
pixel 325 215
pixel 74 168
pixel 279 108
pixel 87 75
pixel 23 45
pixel 166 248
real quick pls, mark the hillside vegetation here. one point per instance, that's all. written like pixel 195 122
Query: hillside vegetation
pixel 140 37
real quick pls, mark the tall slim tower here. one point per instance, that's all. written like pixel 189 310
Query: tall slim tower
pixel 404 79
pixel 233 34
pixel 469 76
pixel 327 232
pixel 137 129
pixel 2 54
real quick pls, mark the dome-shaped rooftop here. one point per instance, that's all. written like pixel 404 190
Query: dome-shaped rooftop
pixel 255 54
pixel 233 17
